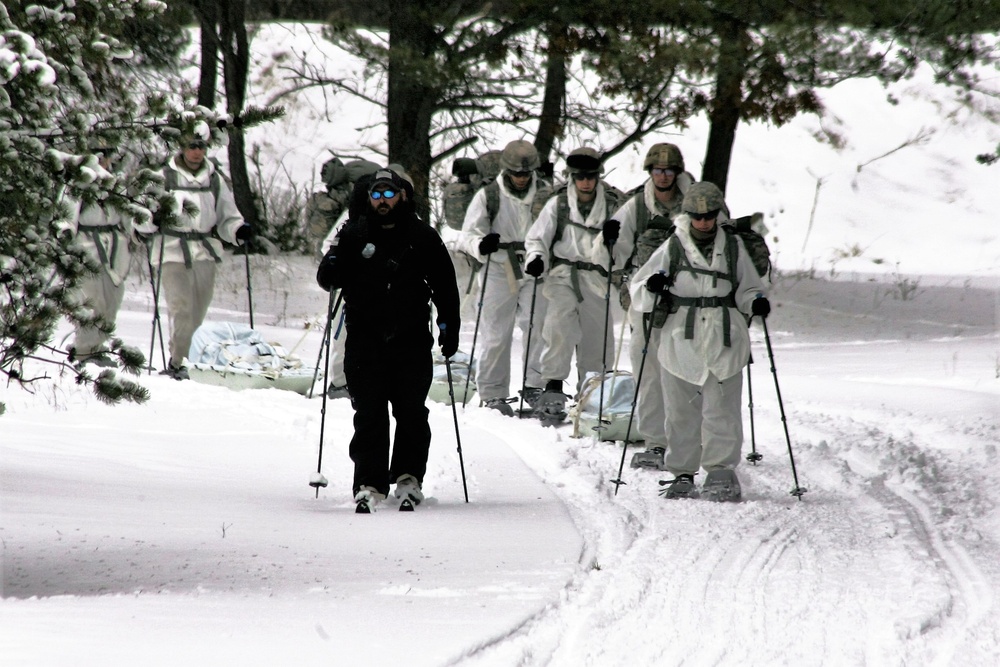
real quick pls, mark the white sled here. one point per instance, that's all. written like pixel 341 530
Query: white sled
pixel 619 390
pixel 459 372
pixel 233 355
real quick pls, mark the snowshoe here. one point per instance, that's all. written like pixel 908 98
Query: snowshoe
pixel 97 357
pixel 551 406
pixel 652 458
pixel 366 499
pixel 176 372
pixel 500 405
pixel 680 487
pixel 722 486
pixel 337 392
pixel 409 493
pixel 531 396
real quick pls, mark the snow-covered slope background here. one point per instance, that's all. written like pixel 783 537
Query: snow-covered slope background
pixel 184 531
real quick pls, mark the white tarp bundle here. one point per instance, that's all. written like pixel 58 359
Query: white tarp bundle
pixel 459 374
pixel 619 391
pixel 234 355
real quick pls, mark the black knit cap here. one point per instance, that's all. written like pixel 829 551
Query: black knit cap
pixel 386 178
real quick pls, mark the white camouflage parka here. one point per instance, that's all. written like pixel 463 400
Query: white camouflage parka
pixel 692 359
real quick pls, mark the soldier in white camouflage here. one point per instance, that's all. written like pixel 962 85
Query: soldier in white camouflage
pixel 708 283
pixel 646 222
pixel 567 244
pixel 495 226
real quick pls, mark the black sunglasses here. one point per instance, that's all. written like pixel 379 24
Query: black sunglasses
pixel 197 145
pixel 589 176
pixel 520 174
pixel 658 171
pixel 710 215
pixel 379 194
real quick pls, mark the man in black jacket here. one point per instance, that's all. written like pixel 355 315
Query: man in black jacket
pixel 390 266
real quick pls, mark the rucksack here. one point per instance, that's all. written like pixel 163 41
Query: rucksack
pixel 741 227
pixel 458 195
pixel 323 209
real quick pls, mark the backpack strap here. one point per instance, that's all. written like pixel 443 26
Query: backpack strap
pixel 170 183
pixel 94 232
pixel 679 262
pixel 641 211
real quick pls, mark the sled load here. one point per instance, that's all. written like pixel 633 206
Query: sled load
pixel 233 355
pixel 459 372
pixel 619 390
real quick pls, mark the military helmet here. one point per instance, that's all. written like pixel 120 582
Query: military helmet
pixel 703 197
pixel 584 160
pixel 520 155
pixel 196 131
pixel 667 154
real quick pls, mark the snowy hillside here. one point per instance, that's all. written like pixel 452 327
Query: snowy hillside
pixel 873 187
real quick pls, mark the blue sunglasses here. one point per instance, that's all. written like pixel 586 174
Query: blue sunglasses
pixel 379 194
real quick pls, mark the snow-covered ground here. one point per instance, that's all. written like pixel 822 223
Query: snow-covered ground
pixel 184 531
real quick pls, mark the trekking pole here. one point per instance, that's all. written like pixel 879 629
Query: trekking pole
pixel 475 332
pixel 331 309
pixel 754 455
pixel 647 332
pixel 798 490
pixel 246 254
pixel 317 480
pixel 156 308
pixel 604 351
pixel 527 348
pixel 458 437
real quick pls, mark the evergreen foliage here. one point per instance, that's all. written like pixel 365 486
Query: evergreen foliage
pixel 68 77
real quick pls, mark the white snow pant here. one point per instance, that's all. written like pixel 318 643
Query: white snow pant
pixel 101 294
pixel 188 293
pixel 506 301
pixel 704 424
pixel 335 371
pixel 574 325
pixel 651 406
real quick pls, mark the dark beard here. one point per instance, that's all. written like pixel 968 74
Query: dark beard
pixel 392 217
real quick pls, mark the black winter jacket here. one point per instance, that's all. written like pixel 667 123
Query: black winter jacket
pixel 387 293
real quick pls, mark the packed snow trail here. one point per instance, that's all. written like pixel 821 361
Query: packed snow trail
pixel 873 566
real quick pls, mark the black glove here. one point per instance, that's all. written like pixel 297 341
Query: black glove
pixel 243 232
pixel 761 307
pixel 535 267
pixel 326 272
pixel 657 283
pixel 448 339
pixel 610 232
pixel 489 244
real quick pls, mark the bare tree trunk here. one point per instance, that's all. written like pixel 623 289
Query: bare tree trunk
pixel 411 102
pixel 550 123
pixel 724 114
pixel 235 50
pixel 208 78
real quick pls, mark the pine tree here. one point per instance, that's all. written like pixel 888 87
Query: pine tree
pixel 67 80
